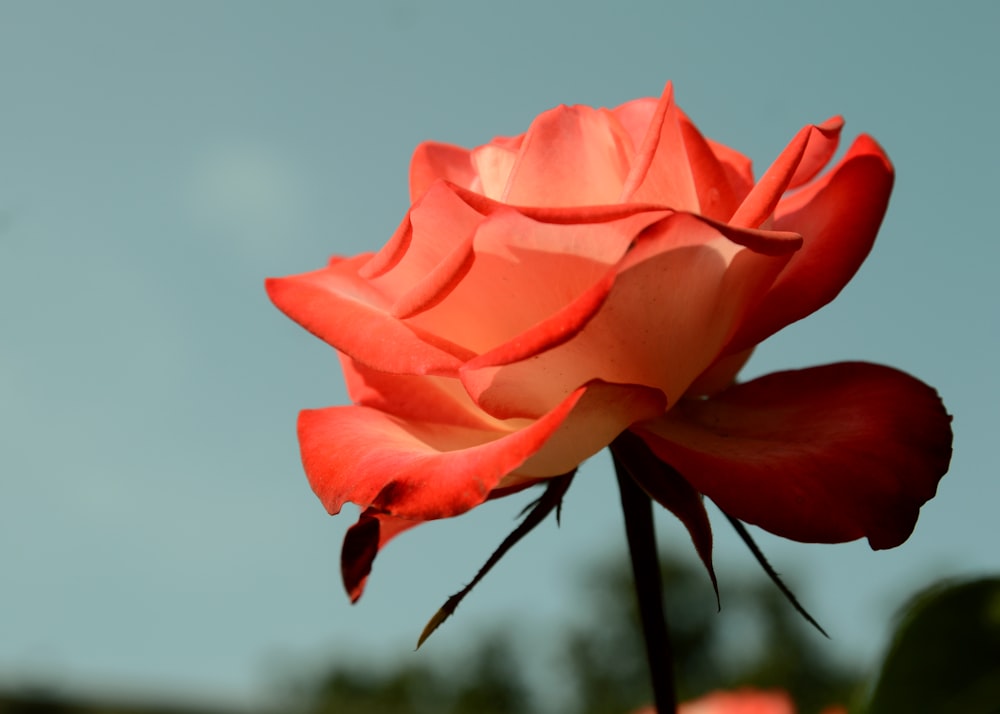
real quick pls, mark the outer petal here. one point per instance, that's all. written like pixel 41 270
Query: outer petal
pixel 838 218
pixel 426 470
pixel 827 454
pixel 677 296
pixel 571 156
pixel 403 473
pixel 347 312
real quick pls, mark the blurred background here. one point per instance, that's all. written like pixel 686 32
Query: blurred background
pixel 158 541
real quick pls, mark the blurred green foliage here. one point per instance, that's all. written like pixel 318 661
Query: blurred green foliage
pixel 944 658
pixel 757 640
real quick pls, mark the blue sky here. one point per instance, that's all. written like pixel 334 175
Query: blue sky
pixel 159 159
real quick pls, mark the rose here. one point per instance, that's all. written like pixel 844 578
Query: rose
pixel 607 273
pixel 745 701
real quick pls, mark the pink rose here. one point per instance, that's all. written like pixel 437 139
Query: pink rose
pixel 746 701
pixel 611 270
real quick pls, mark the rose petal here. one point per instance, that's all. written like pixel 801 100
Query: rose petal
pixel 440 400
pixel 679 293
pixel 603 413
pixel 432 161
pixel 838 218
pixel 348 313
pixel 404 472
pixel 738 168
pixel 422 470
pixel 437 225
pixel 827 454
pixel 571 156
pixel 661 172
pixel 720 375
pixel 798 159
pixel 719 195
pixel 494 163
pixel 635 117
pixel 823 142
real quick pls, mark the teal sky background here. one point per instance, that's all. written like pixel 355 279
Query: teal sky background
pixel 159 159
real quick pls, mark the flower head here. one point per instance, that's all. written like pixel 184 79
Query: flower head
pixel 610 271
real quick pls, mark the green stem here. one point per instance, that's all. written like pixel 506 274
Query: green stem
pixel 638 509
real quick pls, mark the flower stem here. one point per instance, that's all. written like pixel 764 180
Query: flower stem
pixel 638 509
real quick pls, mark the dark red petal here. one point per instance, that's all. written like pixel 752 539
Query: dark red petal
pixel 668 488
pixel 362 543
pixel 826 454
pixel 838 218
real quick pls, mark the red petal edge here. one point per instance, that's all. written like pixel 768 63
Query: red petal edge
pixel 827 454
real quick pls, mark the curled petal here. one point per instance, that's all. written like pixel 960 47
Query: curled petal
pixel 826 454
pixel 823 141
pixel 426 470
pixel 798 161
pixel 661 173
pixel 437 226
pixel 347 312
pixel 838 218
